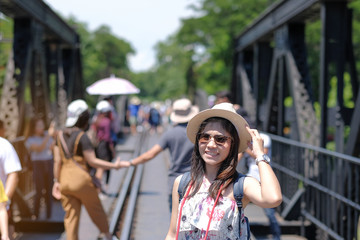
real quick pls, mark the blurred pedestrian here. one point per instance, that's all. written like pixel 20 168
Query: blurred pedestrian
pixel 73 183
pixel 115 120
pixel 154 118
pixel 175 140
pixel 40 144
pixel 10 166
pixel 224 96
pixel 254 172
pixel 133 110
pixel 209 207
pixel 105 148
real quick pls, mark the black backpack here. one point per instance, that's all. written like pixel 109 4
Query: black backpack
pixel 238 193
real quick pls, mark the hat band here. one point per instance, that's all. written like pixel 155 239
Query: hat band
pixel 182 112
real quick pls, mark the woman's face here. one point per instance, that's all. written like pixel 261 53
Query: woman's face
pixel 39 127
pixel 215 143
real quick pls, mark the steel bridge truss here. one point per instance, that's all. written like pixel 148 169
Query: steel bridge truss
pixel 271 65
pixel 270 68
pixel 45 57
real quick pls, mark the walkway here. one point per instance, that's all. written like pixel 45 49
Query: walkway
pixel 152 216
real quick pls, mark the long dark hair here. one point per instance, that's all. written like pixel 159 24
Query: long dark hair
pixel 83 120
pixel 227 171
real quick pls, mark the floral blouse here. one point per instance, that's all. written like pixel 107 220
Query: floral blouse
pixel 197 210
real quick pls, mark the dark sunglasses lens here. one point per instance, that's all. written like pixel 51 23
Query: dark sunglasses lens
pixel 220 139
pixel 204 137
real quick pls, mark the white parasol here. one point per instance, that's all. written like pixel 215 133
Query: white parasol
pixel 112 86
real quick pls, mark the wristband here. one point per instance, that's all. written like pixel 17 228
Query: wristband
pixel 55 180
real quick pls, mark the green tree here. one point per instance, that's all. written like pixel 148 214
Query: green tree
pixel 213 33
pixel 102 53
pixel 6 34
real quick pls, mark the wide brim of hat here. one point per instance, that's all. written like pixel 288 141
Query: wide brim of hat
pixel 184 119
pixel 71 121
pixel 238 121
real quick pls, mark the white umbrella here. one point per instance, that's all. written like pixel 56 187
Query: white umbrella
pixel 112 86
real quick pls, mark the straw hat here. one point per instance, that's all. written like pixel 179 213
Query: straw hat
pixel 74 110
pixel 183 111
pixel 135 100
pixel 223 110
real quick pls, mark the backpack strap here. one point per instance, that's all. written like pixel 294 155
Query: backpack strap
pixel 77 140
pixel 184 181
pixel 238 195
pixel 239 189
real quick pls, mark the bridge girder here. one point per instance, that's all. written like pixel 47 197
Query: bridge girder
pixel 46 51
pixel 283 24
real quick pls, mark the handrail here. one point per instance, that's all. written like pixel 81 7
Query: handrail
pixel 314 148
pixel 331 184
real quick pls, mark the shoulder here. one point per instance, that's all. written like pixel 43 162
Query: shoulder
pixel 238 186
pixel 9 156
pixel 6 147
pixel 85 141
pixel 178 179
pixel 4 142
pixel 177 183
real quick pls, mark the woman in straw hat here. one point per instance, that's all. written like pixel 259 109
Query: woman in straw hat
pixel 208 209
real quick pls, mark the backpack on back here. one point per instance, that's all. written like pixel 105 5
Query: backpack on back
pixel 238 195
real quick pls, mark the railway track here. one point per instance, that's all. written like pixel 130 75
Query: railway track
pixel 121 222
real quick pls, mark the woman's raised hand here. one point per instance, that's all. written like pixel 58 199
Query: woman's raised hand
pixel 257 145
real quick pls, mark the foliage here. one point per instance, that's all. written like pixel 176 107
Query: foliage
pixel 212 35
pixel 6 29
pixel 103 54
pixel 312 39
pixel 347 92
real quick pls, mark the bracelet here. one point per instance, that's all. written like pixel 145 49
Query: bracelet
pixel 55 180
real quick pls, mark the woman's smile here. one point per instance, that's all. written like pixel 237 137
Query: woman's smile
pixel 211 150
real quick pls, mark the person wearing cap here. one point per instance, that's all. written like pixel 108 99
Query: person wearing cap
pixel 72 182
pixel 209 208
pixel 105 148
pixel 175 140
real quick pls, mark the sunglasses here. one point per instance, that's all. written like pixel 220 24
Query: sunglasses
pixel 219 139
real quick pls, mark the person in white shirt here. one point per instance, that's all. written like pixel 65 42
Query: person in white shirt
pixel 9 167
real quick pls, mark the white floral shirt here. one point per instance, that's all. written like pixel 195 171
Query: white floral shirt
pixel 196 213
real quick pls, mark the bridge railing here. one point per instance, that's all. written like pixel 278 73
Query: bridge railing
pixel 25 190
pixel 319 186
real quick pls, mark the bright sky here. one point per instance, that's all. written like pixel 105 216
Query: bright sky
pixel 142 23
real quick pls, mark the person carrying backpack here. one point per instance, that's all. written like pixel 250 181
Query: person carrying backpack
pixel 211 207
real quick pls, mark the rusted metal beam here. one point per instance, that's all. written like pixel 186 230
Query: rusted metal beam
pixel 276 15
pixel 55 27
